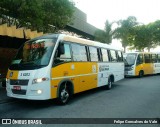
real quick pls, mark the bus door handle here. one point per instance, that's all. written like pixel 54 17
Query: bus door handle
pixel 83 81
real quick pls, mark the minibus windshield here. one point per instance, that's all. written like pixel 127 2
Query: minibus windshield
pixel 34 53
pixel 130 58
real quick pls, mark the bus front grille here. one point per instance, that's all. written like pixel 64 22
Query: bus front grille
pixel 21 92
pixel 19 82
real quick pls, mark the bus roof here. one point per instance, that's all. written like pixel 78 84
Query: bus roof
pixel 88 42
pixel 78 40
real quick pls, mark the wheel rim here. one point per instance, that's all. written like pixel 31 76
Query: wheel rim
pixel 109 84
pixel 64 95
pixel 141 74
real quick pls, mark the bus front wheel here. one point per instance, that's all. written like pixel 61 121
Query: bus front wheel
pixel 64 94
pixel 141 74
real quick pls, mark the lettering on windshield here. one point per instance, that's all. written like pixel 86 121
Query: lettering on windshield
pixel 35 45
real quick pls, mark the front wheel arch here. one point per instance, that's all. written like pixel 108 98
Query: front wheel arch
pixel 141 73
pixel 70 88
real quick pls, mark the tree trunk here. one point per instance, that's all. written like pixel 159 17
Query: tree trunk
pixel 149 49
pixel 124 49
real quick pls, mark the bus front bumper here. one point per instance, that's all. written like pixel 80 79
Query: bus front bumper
pixel 32 94
pixel 129 73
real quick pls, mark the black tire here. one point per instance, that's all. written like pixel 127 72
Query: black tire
pixel 109 85
pixel 141 74
pixel 64 94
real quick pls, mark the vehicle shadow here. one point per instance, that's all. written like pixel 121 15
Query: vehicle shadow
pixel 42 104
pixel 145 76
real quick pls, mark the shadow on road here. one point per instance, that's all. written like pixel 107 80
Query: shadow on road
pixel 41 104
pixel 145 76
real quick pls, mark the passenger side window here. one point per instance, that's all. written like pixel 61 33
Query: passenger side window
pixel 104 55
pixel 139 59
pixel 63 53
pixel 158 58
pixel 147 58
pixel 113 56
pixel 79 52
pixel 93 53
pixel 120 56
pixel 154 58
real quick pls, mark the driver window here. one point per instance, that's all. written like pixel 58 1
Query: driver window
pixel 62 56
pixel 140 59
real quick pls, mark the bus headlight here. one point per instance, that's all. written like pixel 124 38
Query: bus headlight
pixel 39 91
pixel 38 80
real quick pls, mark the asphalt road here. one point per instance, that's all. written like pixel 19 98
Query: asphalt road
pixel 129 98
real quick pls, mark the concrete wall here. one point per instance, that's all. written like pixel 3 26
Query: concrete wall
pixel 80 23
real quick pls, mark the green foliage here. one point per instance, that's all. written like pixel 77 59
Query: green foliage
pixel 37 14
pixel 105 36
pixel 156 31
pixel 125 31
pixel 142 37
pixel 147 36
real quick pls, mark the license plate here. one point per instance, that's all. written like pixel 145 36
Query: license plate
pixel 17 87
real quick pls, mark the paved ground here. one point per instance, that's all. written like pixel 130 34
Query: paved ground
pixel 129 98
pixel 3 95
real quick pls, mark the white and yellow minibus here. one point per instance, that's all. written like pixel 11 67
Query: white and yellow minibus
pixel 58 66
pixel 141 63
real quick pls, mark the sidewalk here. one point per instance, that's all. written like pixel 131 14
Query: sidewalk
pixel 3 95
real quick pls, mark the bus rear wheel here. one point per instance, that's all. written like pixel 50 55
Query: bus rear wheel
pixel 109 85
pixel 64 94
pixel 141 74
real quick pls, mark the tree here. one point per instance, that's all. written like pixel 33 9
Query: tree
pixel 105 36
pixel 156 31
pixel 141 37
pixel 37 14
pixel 145 37
pixel 125 31
pixel 57 12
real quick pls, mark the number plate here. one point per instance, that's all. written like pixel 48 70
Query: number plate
pixel 17 87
